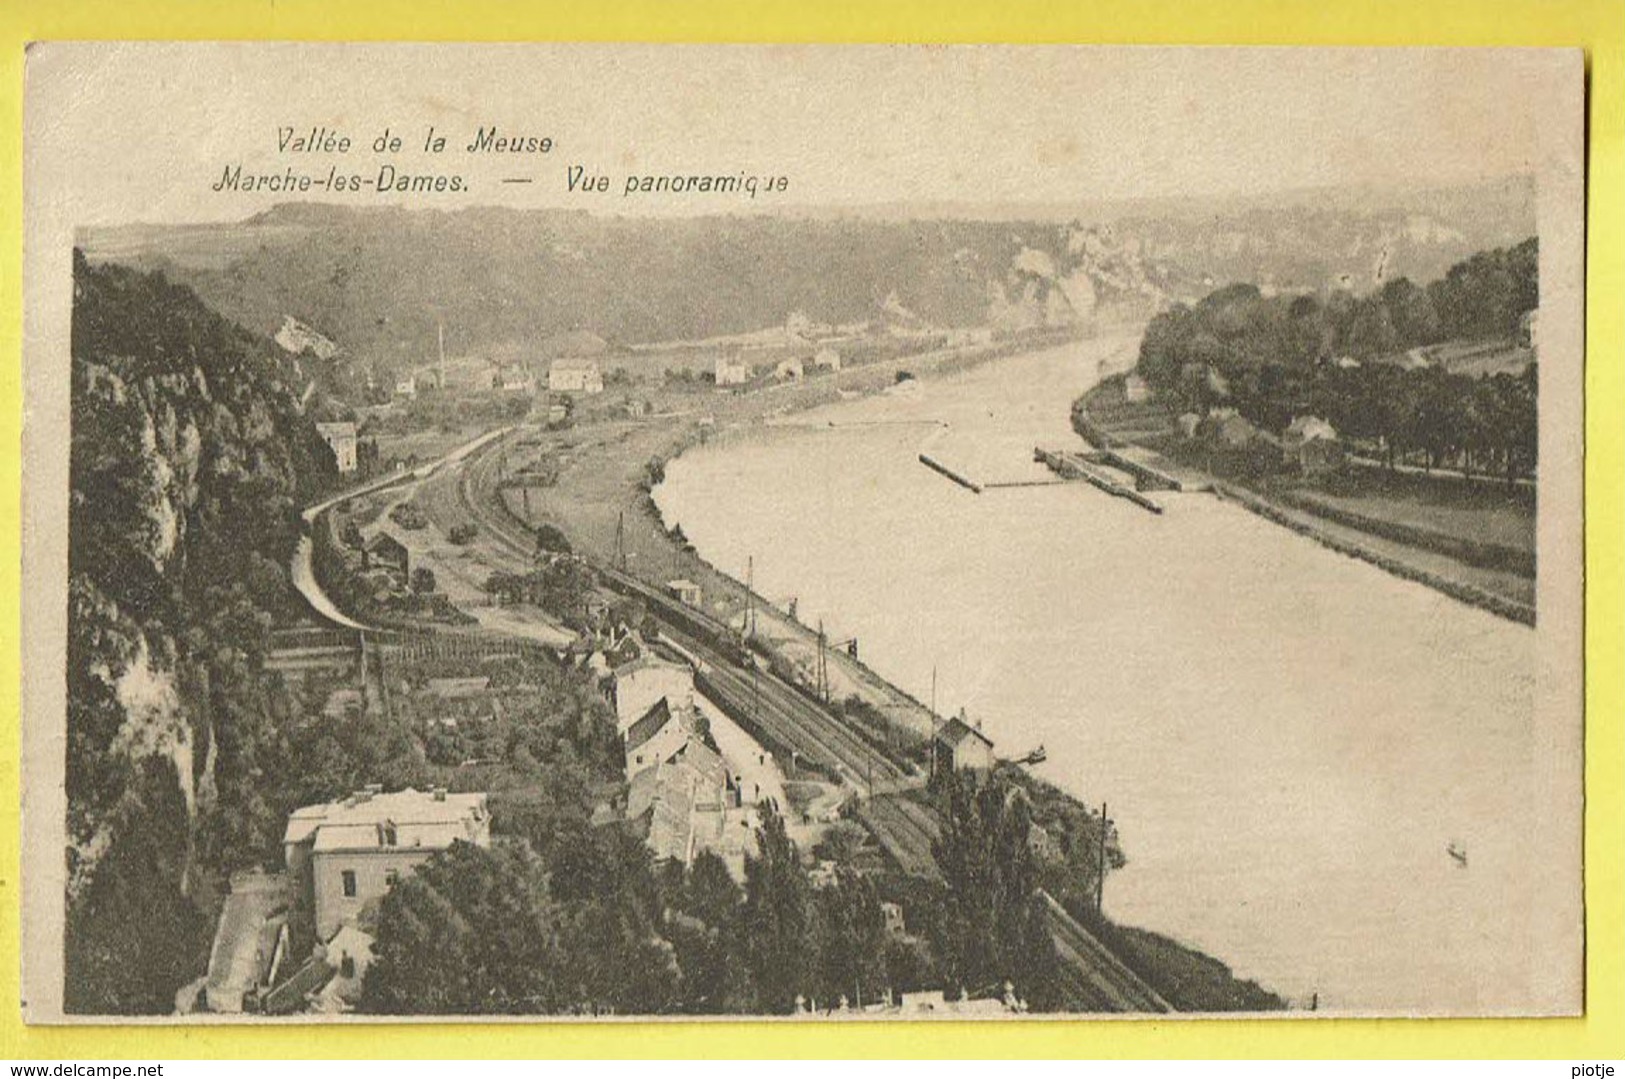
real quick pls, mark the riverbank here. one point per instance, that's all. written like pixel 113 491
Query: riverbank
pixel 1462 563
pixel 602 501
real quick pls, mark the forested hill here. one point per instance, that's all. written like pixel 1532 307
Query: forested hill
pixel 376 279
pixel 189 460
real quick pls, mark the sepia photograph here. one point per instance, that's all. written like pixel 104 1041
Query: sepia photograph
pixel 594 532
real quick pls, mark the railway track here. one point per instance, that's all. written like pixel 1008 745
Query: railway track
pixel 907 838
pixel 783 714
pixel 1093 972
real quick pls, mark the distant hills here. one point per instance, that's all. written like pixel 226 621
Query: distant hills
pixel 377 280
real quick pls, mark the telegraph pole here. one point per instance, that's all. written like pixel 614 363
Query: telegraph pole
pixel 1100 875
pixel 750 596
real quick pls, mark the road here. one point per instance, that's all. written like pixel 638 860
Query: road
pixel 772 711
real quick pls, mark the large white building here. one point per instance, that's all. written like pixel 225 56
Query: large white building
pixel 573 375
pixel 348 852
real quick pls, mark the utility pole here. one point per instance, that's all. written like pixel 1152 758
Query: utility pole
pixel 823 665
pixel 750 596
pixel 1100 875
pixel 440 350
pixel 933 772
pixel 620 541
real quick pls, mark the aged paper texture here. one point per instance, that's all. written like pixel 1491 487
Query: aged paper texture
pixel 567 532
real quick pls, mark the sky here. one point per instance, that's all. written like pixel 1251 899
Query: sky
pixel 127 132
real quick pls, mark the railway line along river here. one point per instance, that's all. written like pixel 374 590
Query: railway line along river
pixel 1291 741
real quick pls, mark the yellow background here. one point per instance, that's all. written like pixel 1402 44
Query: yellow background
pixel 1596 25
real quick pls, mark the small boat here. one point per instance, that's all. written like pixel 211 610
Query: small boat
pixel 1458 852
pixel 1037 756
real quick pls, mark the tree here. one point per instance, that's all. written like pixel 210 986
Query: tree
pixel 550 541
pixel 777 918
pixel 423 581
pixel 994 927
pixel 471 932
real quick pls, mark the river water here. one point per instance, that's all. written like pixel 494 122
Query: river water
pixel 1288 739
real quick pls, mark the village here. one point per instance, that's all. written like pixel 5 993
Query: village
pixel 463 612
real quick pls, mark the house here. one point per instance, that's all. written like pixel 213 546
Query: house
pixel 958 746
pixel 732 371
pixel 658 737
pixel 684 591
pixel 679 807
pixel 346 853
pixel 1189 423
pixel 384 551
pixel 1311 444
pixel 1529 329
pixel 1229 429
pixel 574 375
pixel 791 370
pixel 514 378
pixel 1206 379
pixel 406 387
pixel 1135 390
pixel 295 337
pixel 892 915
pixel 340 438
pixel 827 359
pixel 645 680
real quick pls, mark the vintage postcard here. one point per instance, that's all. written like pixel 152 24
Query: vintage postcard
pixel 844 533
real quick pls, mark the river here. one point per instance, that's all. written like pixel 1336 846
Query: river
pixel 1288 739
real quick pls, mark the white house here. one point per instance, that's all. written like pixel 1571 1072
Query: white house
pixel 791 370
pixel 732 371
pixel 406 387
pixel 959 746
pixel 575 375
pixel 340 439
pixel 1529 329
pixel 644 681
pixel 348 852
pixel 1135 389
pixel 514 378
pixel 827 359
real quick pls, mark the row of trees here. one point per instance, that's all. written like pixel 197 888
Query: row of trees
pixel 1488 424
pixel 1274 358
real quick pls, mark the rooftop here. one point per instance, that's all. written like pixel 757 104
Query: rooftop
pixel 956 730
pixel 373 820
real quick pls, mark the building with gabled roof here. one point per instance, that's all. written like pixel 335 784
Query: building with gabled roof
pixel 348 852
pixel 640 683
pixel 957 746
pixel 384 551
pixel 575 375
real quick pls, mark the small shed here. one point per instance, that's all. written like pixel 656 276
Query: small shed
pixel 684 591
